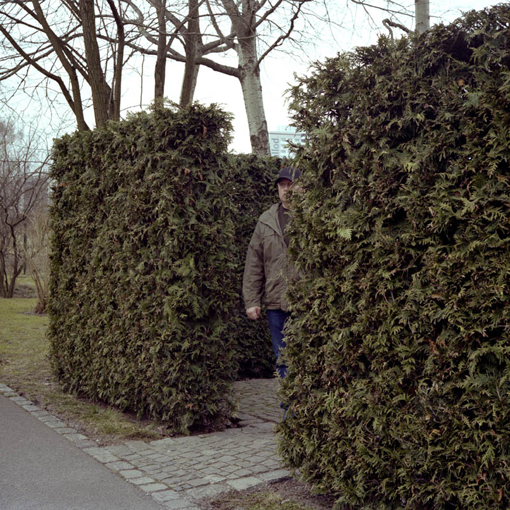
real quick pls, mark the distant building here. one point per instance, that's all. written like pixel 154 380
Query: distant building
pixel 278 140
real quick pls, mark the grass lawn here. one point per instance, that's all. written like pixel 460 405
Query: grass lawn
pixel 25 367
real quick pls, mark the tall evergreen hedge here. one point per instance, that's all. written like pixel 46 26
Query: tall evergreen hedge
pixel 141 268
pixel 151 219
pixel 399 383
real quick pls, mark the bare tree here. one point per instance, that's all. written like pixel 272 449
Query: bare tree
pixel 79 45
pixel 23 189
pixel 207 30
pixel 36 253
pixel 67 43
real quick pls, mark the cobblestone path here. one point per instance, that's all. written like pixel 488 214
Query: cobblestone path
pixel 179 472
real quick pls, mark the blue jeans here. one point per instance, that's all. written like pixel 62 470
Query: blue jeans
pixel 277 319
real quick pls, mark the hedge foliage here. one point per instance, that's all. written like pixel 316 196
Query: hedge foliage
pixel 145 279
pixel 399 383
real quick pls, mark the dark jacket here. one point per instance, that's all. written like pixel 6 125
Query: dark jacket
pixel 266 268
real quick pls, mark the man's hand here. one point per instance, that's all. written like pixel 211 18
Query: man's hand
pixel 253 313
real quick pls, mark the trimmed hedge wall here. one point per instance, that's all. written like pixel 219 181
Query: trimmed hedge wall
pixel 145 266
pixel 399 382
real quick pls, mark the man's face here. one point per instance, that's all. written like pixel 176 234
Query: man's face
pixel 283 188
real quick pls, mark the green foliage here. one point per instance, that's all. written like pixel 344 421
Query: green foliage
pixel 400 347
pixel 151 220
pixel 141 290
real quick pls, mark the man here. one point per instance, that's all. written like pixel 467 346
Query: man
pixel 266 265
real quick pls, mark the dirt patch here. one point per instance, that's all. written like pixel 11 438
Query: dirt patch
pixel 302 493
pixel 24 291
pixel 287 493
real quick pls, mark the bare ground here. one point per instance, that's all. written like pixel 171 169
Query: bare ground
pixel 272 495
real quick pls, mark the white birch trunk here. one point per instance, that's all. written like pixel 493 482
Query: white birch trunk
pixel 253 100
pixel 422 16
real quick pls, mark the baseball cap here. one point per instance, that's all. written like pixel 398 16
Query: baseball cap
pixel 289 173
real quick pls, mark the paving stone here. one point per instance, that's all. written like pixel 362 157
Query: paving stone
pixel 54 424
pixel 102 456
pixel 157 456
pixel 160 476
pixel 120 450
pixel 153 487
pixel 31 408
pixel 174 481
pixel 10 395
pixel 179 472
pixel 144 480
pixel 258 469
pixel 166 495
pixel 20 400
pixel 152 468
pixel 131 473
pixel 208 491
pixel 274 475
pixel 51 421
pixel 96 450
pixel 214 478
pixel 137 444
pixel 119 466
pixel 85 443
pixel 132 456
pixel 74 437
pixel 170 469
pixel 244 483
pixel 242 472
pixel 209 471
pixel 264 426
pixel 138 462
pixel 198 482
pixel 66 430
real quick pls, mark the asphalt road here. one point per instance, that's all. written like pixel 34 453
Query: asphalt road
pixel 40 470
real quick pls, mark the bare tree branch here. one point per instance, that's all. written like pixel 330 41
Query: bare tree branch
pixel 388 24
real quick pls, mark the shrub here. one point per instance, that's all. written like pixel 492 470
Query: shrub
pixel 399 348
pixel 143 283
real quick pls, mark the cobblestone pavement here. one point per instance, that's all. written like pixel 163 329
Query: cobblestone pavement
pixel 179 472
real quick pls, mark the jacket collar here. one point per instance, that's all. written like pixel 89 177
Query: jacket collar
pixel 270 218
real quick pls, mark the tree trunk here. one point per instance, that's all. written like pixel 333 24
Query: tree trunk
pixel 253 100
pixel 160 69
pixel 3 276
pixel 75 101
pixel 422 16
pixel 118 63
pixel 101 96
pixel 192 40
